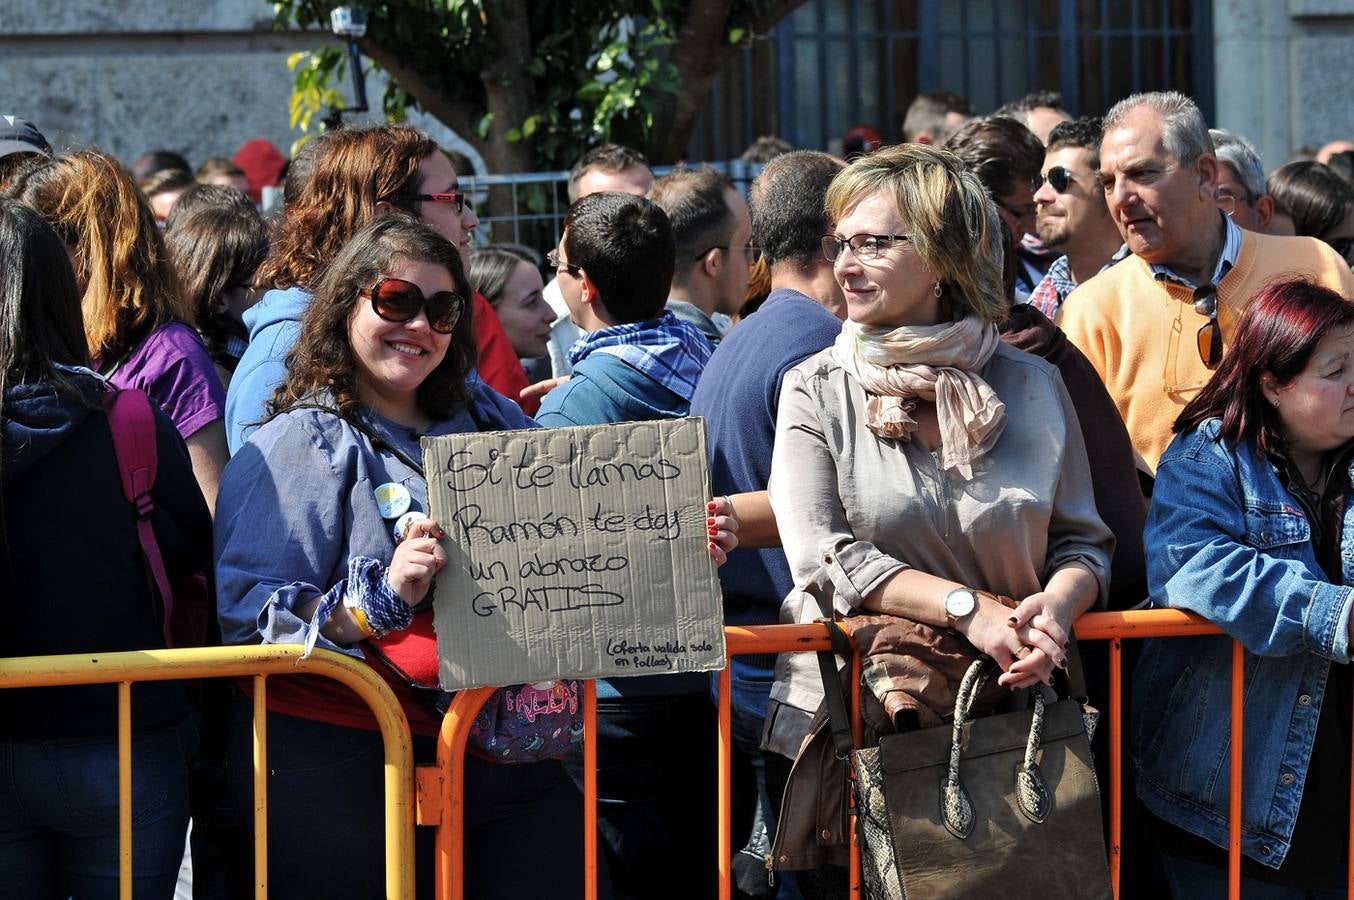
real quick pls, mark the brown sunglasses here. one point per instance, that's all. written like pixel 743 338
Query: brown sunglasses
pixel 397 300
pixel 1209 337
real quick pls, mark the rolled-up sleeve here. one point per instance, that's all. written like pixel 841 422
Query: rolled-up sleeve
pixel 1076 533
pixel 279 537
pixel 808 506
pixel 1199 559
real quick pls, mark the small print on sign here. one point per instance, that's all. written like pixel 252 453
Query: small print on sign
pixel 574 553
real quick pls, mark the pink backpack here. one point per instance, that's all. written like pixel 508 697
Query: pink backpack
pixel 182 601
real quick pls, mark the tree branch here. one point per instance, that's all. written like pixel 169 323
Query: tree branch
pixel 701 48
pixel 458 115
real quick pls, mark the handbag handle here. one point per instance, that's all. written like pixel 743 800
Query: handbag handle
pixel 821 586
pixel 1031 790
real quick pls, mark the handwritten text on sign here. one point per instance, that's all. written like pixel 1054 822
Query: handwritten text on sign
pixel 574 553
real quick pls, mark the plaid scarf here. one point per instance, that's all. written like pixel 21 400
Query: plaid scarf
pixel 668 350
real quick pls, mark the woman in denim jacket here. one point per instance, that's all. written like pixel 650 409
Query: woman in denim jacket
pixel 1249 528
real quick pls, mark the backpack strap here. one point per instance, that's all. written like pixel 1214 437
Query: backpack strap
pixel 132 422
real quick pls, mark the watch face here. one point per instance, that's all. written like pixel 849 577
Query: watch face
pixel 959 603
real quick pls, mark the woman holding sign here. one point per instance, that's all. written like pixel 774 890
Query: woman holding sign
pixel 937 473
pixel 322 540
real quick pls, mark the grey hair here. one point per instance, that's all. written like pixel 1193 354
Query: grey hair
pixel 996 240
pixel 1238 153
pixel 1184 131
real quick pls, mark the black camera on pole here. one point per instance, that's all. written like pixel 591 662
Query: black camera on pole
pixel 350 23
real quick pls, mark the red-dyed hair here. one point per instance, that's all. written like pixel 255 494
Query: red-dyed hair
pixel 1277 335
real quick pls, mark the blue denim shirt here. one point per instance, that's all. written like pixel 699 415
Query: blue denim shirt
pixel 297 505
pixel 1225 539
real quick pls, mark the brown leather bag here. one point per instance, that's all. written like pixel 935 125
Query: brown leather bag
pixel 1005 805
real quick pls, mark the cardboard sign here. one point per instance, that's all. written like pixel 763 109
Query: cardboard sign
pixel 574 553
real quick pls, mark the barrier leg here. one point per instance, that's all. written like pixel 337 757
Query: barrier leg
pixel 1116 761
pixel 1234 804
pixel 725 785
pixel 590 790
pixel 125 790
pixel 857 736
pixel 260 788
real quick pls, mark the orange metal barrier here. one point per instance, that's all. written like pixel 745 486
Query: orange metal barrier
pixel 434 795
pixel 439 789
pixel 125 668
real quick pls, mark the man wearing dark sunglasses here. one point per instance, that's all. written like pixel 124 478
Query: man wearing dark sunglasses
pixel 1072 215
pixel 1154 326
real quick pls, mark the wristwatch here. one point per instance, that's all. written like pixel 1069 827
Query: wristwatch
pixel 959 603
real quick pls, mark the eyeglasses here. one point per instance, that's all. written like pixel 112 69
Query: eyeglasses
pixel 1209 337
pixel 458 197
pixel 1227 201
pixel 397 300
pixel 865 246
pixel 1341 245
pixel 750 252
pixel 552 259
pixel 1058 178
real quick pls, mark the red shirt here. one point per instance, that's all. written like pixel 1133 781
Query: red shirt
pixel 498 364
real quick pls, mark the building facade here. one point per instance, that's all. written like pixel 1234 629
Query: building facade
pixel 205 76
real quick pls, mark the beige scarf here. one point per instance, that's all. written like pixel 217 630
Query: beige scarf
pixel 899 366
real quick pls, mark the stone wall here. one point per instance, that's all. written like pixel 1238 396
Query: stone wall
pixel 196 76
pixel 203 76
pixel 1283 72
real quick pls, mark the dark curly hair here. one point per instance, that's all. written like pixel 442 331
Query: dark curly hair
pixel 355 169
pixel 322 361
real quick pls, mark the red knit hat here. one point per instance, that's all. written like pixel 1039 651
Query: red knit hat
pixel 262 163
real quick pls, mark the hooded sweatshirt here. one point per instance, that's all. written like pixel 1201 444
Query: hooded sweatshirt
pixel 604 389
pixel 72 574
pixel 274 323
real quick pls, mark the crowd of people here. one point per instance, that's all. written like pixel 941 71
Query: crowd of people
pixel 976 383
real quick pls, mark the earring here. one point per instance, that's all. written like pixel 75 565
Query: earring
pixel 938 291
pixel 1276 402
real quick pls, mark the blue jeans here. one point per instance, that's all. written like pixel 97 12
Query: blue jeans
pixel 1190 880
pixel 59 815
pixel 657 806
pixel 326 806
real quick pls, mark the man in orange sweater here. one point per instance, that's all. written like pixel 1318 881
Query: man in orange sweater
pixel 1154 326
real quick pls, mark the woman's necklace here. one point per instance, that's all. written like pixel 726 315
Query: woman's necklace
pixel 1317 485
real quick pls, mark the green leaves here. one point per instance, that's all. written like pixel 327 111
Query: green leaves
pixel 311 88
pixel 596 70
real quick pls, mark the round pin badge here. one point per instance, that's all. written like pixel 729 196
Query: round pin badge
pixel 406 520
pixel 392 500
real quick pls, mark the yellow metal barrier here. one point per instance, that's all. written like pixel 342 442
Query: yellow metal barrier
pixel 123 669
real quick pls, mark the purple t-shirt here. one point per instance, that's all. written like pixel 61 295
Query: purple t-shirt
pixel 173 367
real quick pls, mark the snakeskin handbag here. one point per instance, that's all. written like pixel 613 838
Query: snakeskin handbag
pixel 998 806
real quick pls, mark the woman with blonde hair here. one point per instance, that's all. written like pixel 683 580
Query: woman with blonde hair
pixel 936 473
pixel 138 321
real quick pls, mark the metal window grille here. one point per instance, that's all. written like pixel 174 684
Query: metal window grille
pixel 833 64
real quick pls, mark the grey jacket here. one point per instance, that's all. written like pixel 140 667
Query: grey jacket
pixel 880 505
